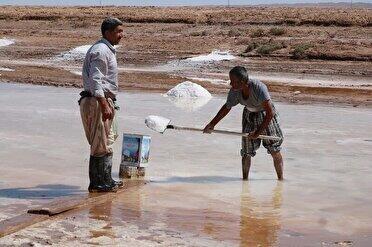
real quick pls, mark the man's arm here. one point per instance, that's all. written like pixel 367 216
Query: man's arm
pixel 107 112
pixel 269 115
pixel 220 115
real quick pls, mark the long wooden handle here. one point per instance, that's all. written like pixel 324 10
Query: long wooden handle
pixel 225 132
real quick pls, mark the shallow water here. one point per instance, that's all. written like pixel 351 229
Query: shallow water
pixel 196 194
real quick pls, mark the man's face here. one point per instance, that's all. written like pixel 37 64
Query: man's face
pixel 114 36
pixel 235 82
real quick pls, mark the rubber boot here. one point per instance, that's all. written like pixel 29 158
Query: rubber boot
pixel 97 170
pixel 92 174
pixel 108 170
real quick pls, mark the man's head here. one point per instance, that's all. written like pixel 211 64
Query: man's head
pixel 238 77
pixel 112 30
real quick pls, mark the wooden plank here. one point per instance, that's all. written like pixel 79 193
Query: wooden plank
pixel 19 222
pixel 60 206
pixel 70 203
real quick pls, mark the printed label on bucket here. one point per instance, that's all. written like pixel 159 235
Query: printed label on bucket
pixel 135 150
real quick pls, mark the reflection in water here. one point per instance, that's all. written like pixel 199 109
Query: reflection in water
pixel 129 204
pixel 260 221
pixel 102 212
pixel 244 220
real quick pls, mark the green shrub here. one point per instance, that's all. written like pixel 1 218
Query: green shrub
pixel 299 51
pixel 199 33
pixel 251 47
pixel 277 31
pixel 259 32
pixel 80 24
pixel 195 34
pixel 267 49
pixel 233 33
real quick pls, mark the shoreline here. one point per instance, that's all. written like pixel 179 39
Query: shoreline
pixel 275 97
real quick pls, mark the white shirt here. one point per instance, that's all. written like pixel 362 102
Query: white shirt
pixel 100 70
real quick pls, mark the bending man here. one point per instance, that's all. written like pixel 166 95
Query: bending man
pixel 259 117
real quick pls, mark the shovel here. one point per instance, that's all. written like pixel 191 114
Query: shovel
pixel 161 124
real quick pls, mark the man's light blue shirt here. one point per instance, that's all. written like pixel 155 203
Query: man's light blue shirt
pixel 100 70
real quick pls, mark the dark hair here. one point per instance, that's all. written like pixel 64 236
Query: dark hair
pixel 110 24
pixel 240 72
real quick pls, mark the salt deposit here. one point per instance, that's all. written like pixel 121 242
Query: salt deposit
pixel 214 56
pixel 157 123
pixel 189 104
pixel 6 69
pixel 211 80
pixel 6 42
pixel 76 72
pixel 189 96
pixel 188 89
pixel 76 53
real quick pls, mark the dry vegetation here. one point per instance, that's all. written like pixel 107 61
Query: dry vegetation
pixel 285 32
pixel 218 15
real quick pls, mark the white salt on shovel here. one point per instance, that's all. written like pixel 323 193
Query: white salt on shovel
pixel 160 124
pixel 157 123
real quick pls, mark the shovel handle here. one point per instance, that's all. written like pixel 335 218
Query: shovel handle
pixel 225 132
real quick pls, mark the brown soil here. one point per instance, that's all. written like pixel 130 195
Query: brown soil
pixel 331 42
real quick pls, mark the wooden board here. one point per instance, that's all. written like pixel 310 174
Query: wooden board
pixel 70 203
pixel 60 206
pixel 19 222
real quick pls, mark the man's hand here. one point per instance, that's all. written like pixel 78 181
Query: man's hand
pixel 253 135
pixel 107 112
pixel 208 129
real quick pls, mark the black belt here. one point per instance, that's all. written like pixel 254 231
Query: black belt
pixel 85 94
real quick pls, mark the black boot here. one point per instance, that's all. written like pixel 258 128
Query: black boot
pixel 97 176
pixel 108 170
pixel 92 174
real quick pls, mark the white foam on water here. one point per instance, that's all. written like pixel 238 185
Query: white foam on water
pixel 157 123
pixel 6 42
pixel 188 89
pixel 6 69
pixel 214 56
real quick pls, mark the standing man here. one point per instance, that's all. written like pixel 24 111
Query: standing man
pixel 98 105
pixel 259 117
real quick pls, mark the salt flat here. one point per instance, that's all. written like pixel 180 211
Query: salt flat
pixel 196 196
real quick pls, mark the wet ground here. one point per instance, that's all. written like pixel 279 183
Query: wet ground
pixel 196 196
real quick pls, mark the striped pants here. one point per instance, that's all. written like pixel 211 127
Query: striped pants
pixel 251 121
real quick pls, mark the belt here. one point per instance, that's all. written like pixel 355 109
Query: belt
pixel 85 94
